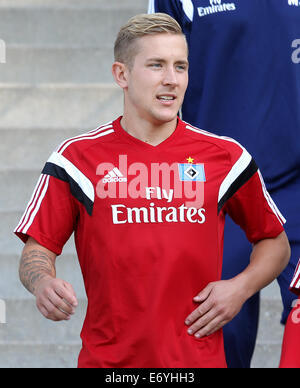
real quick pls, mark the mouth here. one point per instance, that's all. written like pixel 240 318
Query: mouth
pixel 166 98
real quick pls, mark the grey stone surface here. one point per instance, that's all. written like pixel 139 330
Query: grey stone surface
pixel 39 355
pixel 26 64
pixel 267 356
pixel 26 149
pixel 58 105
pixel 72 23
pixel 19 329
pixel 270 333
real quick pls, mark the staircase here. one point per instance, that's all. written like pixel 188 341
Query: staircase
pixel 55 84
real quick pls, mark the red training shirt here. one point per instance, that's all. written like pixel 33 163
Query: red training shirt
pixel 148 223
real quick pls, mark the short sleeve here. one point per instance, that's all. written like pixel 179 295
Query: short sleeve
pixel 252 208
pixel 50 217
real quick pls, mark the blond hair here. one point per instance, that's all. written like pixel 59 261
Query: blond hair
pixel 138 26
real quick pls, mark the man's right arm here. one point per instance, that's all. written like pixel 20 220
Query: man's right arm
pixel 55 298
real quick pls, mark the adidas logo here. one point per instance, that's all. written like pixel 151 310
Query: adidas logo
pixel 114 175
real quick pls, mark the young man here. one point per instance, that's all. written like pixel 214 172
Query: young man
pixel 290 354
pixel 147 196
pixel 245 84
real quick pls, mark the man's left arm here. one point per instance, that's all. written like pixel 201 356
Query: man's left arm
pixel 219 302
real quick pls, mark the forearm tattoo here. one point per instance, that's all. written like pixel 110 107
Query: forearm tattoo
pixel 34 266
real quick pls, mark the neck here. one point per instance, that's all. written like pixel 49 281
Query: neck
pixel 149 132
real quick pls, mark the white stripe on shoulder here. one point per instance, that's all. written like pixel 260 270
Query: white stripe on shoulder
pixel 34 204
pixel 89 135
pixel 31 203
pixel 237 169
pixel 188 8
pixel 270 201
pixel 210 134
pixel 84 183
pixel 38 205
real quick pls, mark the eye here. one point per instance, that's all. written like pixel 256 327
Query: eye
pixel 181 67
pixel 155 65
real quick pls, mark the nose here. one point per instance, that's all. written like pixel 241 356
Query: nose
pixel 170 77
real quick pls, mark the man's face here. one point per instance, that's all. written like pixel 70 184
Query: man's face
pixel 158 79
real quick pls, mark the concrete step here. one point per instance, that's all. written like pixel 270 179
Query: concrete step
pixel 270 334
pixel 30 148
pixel 16 188
pixel 71 3
pixel 42 355
pixel 91 4
pixel 24 323
pixel 55 106
pixel 26 64
pixel 272 291
pixel 270 329
pixel 80 23
pixel 266 356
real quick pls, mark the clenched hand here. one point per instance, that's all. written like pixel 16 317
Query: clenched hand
pixel 56 299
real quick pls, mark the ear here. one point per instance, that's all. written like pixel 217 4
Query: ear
pixel 120 74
